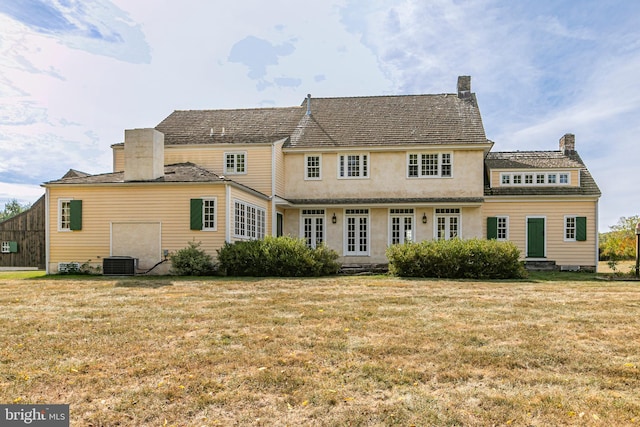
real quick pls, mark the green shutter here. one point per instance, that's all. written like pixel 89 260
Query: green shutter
pixel 75 222
pixel 492 227
pixel 13 247
pixel 581 228
pixel 196 214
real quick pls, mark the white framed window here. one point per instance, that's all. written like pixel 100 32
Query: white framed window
pixel 356 232
pixel 209 214
pixel 235 162
pixel 5 248
pixel 446 166
pixel 64 215
pixel 313 226
pixel 424 165
pixel 570 228
pixel 401 226
pixel 502 229
pixel 312 167
pixel 447 223
pixel 249 221
pixel 546 178
pixel 353 166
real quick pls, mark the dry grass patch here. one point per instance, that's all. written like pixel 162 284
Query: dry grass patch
pixel 341 351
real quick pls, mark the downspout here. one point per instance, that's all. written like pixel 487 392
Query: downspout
pixel 47 238
pixel 227 220
pixel 597 239
pixel 273 189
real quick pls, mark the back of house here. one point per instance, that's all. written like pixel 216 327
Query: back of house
pixel 356 174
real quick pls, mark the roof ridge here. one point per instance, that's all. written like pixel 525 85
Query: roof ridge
pixel 407 95
pixel 290 107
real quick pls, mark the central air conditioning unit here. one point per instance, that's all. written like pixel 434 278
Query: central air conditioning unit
pixel 119 266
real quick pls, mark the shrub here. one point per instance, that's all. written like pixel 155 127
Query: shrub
pixel 456 259
pixel 276 256
pixel 192 261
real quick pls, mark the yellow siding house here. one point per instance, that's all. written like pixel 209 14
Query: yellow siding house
pixel 356 174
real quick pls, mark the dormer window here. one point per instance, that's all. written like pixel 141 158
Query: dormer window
pixel 534 179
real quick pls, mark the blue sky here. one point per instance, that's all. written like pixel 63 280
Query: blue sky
pixel 75 73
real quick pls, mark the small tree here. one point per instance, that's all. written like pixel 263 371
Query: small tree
pixel 620 242
pixel 13 208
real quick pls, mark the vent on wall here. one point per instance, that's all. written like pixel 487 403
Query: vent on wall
pixel 68 267
pixel 119 266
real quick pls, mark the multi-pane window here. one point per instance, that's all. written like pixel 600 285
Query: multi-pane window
pixel 249 221
pixel 570 228
pixel 357 232
pixel 429 165
pixel 502 228
pixel 447 223
pixel 401 226
pixel 446 165
pixel 65 215
pixel 575 228
pixel 313 221
pixel 498 227
pixel 312 167
pixel 5 248
pixel 548 178
pixel 209 214
pixel 235 163
pixel 353 166
pixel 412 165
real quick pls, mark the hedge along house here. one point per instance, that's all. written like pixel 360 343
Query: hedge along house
pixel 357 174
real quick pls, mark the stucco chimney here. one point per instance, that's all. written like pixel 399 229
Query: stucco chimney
pixel 568 143
pixel 143 154
pixel 464 87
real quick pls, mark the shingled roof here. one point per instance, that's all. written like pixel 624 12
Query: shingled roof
pixel 179 172
pixel 389 120
pixel 513 160
pixel 341 122
pixel 258 125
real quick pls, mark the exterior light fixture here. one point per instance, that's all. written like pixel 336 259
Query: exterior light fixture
pixel 424 218
pixel 334 219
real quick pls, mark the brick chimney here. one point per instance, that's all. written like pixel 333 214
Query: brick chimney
pixel 464 87
pixel 143 154
pixel 568 143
